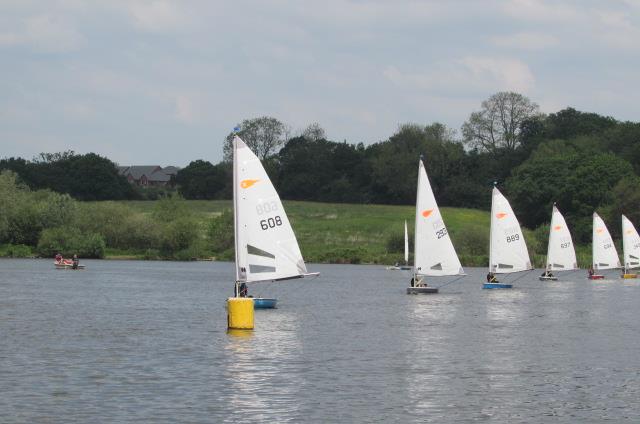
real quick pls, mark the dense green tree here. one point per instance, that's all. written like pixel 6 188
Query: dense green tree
pixel 570 123
pixel 578 181
pixel 202 180
pixel 320 170
pixel 394 163
pixel 85 177
pixel 624 140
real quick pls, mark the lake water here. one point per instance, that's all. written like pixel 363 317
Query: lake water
pixel 129 341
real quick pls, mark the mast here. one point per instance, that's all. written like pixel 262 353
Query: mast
pixel 415 227
pixel 406 244
pixel 491 226
pixel 624 246
pixel 235 206
pixel 553 215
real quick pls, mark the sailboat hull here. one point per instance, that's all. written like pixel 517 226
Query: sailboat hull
pixel 422 290
pixel 541 278
pixel 629 276
pixel 496 286
pixel 596 277
pixel 264 303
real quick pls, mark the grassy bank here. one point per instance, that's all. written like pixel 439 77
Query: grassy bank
pixel 328 233
pixel 355 233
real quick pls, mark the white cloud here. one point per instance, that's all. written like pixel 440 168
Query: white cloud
pixel 46 33
pixel 469 74
pixel 185 109
pixel 506 74
pixel 617 30
pixel 540 10
pixel 526 41
pixel 159 15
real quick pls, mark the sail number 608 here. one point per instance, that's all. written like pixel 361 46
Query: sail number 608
pixel 265 224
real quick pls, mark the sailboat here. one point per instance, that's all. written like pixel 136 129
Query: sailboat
pixel 434 252
pixel 265 245
pixel 406 266
pixel 630 248
pixel 605 255
pixel 507 249
pixel 561 255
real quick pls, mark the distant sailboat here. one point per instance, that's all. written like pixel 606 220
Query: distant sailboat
pixel 630 248
pixel 561 255
pixel 406 266
pixel 605 255
pixel 507 249
pixel 435 255
pixel 266 247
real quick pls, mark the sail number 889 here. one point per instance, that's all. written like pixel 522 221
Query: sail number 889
pixel 513 238
pixel 265 224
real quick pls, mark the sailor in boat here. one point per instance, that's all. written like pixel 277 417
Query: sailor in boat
pixel 242 290
pixel 590 271
pixel 419 282
pixel 547 274
pixel 491 278
pixel 76 262
pixel 58 258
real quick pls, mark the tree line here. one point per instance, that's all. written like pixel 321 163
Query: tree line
pixel 582 161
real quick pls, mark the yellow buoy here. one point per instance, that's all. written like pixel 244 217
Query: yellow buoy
pixel 240 313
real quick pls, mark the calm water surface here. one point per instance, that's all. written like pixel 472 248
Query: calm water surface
pixel 147 342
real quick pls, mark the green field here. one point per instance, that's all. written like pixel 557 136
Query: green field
pixel 355 233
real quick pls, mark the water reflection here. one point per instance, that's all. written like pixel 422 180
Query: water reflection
pixel 261 368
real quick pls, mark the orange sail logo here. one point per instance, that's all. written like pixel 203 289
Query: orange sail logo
pixel 599 230
pixel 557 228
pixel 427 212
pixel 247 183
pixel 500 215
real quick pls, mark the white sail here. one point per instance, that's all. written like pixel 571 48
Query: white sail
pixel 406 243
pixel 605 255
pixel 630 244
pixel 266 247
pixel 561 254
pixel 434 252
pixel 508 250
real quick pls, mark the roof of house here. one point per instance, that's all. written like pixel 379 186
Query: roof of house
pixel 137 171
pixel 171 170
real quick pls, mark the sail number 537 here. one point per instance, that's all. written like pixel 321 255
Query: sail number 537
pixel 265 224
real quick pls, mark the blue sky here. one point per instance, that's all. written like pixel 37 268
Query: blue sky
pixel 163 82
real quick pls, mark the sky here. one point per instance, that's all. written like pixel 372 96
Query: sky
pixel 163 82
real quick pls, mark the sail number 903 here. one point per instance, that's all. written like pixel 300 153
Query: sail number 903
pixel 513 238
pixel 265 224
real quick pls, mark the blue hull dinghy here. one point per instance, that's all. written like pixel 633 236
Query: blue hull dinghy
pixel 496 286
pixel 264 303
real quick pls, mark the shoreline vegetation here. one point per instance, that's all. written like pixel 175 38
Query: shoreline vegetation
pixel 177 229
